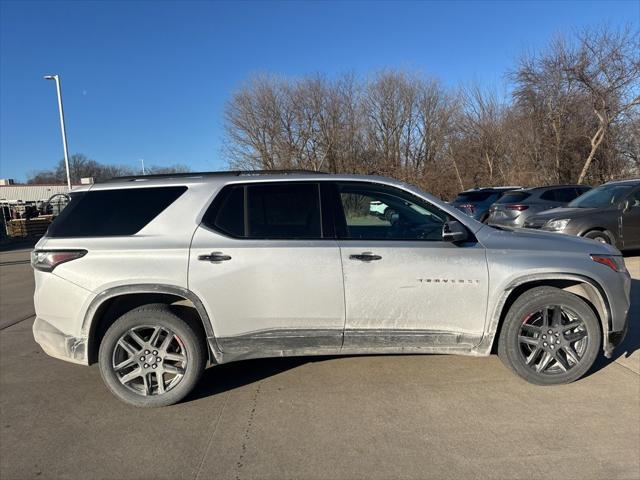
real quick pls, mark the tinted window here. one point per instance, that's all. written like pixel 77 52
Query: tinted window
pixel 112 212
pixel 227 214
pixel 475 197
pixel 549 195
pixel 272 211
pixel 379 213
pixel 514 197
pixel 283 211
pixel 563 195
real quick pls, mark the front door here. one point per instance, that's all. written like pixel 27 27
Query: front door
pixel 631 222
pixel 271 281
pixel 405 288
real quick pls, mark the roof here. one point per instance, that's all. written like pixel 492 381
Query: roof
pixel 223 178
pixel 545 187
pixel 626 181
pixel 492 189
pixel 228 173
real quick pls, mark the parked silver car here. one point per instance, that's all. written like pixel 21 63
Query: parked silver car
pixel 156 277
pixel 515 207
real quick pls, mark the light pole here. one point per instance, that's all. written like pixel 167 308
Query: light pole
pixel 62 127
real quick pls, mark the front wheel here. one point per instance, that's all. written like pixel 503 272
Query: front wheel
pixel 599 236
pixel 150 357
pixel 549 337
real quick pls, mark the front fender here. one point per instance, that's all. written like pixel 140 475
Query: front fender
pixel 590 290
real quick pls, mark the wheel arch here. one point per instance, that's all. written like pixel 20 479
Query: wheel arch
pixel 606 231
pixel 113 302
pixel 582 286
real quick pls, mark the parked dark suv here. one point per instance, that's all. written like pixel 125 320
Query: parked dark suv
pixel 609 214
pixel 476 202
pixel 513 208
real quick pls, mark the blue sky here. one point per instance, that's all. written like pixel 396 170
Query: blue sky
pixel 150 79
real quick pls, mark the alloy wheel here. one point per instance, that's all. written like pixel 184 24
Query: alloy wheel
pixel 149 360
pixel 553 340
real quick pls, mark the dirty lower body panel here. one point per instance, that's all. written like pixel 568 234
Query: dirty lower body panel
pixel 58 344
pixel 286 343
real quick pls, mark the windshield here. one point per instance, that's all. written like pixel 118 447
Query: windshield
pixel 600 197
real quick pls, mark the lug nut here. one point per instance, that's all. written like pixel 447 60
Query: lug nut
pixel 557 334
pixel 158 359
pixel 142 359
pixel 550 331
pixel 545 344
pixel 146 365
pixel 558 342
pixel 155 352
pixel 552 347
pixel 154 366
pixel 544 336
pixel 146 352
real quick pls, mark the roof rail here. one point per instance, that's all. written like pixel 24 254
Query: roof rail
pixel 230 173
pixel 622 180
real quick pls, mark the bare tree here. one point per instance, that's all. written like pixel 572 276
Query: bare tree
pixel 408 126
pixel 81 166
pixel 606 64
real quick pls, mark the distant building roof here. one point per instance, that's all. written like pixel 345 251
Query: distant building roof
pixel 31 193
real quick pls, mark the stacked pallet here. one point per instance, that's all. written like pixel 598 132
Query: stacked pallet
pixel 29 227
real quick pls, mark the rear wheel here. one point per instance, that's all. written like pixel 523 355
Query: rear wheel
pixel 549 337
pixel 150 357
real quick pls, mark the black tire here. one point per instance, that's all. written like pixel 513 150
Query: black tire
pixel 187 343
pixel 599 236
pixel 520 322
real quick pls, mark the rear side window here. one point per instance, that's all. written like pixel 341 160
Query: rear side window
pixel 563 195
pixel 475 196
pixel 514 197
pixel 566 194
pixel 267 211
pixel 105 213
pixel 227 213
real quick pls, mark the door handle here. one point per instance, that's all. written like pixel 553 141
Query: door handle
pixel 365 257
pixel 214 257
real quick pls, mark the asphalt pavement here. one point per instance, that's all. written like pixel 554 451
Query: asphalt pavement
pixel 371 417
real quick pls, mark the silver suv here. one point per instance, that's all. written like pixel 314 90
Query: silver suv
pixel 156 277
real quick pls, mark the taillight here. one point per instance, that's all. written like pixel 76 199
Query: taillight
pixel 615 263
pixel 517 207
pixel 469 206
pixel 47 260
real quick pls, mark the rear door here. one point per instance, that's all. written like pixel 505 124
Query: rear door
pixel 268 270
pixel 404 286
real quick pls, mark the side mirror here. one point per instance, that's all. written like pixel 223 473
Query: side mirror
pixel 454 231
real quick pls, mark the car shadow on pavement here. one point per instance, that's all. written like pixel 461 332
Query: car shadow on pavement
pixel 228 376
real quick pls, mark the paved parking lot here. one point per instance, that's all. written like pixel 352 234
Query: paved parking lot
pixel 350 417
